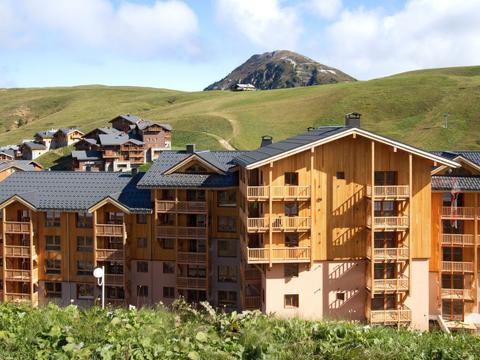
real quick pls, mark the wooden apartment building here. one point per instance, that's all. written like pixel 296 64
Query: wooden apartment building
pixel 334 223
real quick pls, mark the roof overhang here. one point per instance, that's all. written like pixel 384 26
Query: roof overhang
pixel 19 199
pixel 458 158
pixel 193 157
pixel 108 200
pixel 357 131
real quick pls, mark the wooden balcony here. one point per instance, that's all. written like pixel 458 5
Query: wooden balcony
pixel 184 207
pixel 18 298
pixel 115 302
pixel 283 223
pixel 114 279
pixel 110 254
pixel 458 240
pixel 388 223
pixel 458 213
pixel 191 283
pixel 258 193
pixel 457 266
pixel 110 154
pixel 114 230
pixel 388 285
pixel 181 232
pixel 17 227
pixel 389 316
pixel 381 254
pixel 252 302
pixel 191 257
pixel 396 192
pixel 279 255
pixel 258 224
pixel 16 251
pixel 19 275
pixel 457 294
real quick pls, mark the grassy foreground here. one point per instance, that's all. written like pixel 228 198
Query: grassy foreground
pixel 184 333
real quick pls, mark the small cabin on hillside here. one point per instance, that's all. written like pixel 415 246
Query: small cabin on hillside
pixel 31 150
pixel 46 138
pixel 244 87
pixel 66 137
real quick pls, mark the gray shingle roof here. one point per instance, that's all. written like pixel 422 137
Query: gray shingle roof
pixel 25 165
pixel 8 152
pixel 447 183
pixel 145 123
pixel 471 155
pixel 46 134
pixel 223 160
pixel 67 131
pixel 75 191
pixel 130 118
pixel 294 142
pixel 84 155
pixel 34 146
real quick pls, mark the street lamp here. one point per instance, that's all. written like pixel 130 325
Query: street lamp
pixel 99 273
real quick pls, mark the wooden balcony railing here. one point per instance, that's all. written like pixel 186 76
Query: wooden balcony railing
pixel 457 266
pixel 291 223
pixel 17 297
pixel 116 230
pixel 191 257
pixel 252 302
pixel 109 254
pixel 257 224
pixel 279 255
pixel 389 316
pixel 18 275
pixel 181 232
pixel 457 294
pixel 111 154
pixel 388 222
pixel 17 227
pixel 389 285
pixel 449 212
pixel 400 253
pixel 114 279
pixel 389 192
pixel 17 251
pixel 191 283
pixel 192 207
pixel 458 239
pixel 278 192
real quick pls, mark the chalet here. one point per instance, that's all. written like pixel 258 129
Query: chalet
pixel 66 137
pixel 7 155
pixel 31 150
pixel 8 167
pixel 156 137
pixel 244 87
pixel 121 153
pixel 88 160
pixel 46 138
pixel 125 122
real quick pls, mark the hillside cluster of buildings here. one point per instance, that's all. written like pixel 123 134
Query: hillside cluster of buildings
pixel 335 223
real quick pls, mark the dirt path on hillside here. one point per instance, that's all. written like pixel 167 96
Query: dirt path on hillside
pixel 235 132
pixel 221 140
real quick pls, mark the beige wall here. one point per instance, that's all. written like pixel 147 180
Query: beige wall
pixel 418 300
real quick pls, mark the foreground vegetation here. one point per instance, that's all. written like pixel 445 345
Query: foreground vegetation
pixel 186 333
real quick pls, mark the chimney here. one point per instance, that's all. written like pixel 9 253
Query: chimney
pixel 190 148
pixel 266 140
pixel 352 119
pixel 134 171
pixel 310 128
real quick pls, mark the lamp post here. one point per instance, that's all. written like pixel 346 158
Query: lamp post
pixel 99 273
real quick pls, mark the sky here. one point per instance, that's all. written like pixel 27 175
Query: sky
pixel 188 44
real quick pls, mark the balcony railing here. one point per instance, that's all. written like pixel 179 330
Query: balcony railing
pixel 252 302
pixel 389 192
pixel 278 192
pixel 449 212
pixel 109 254
pixel 116 230
pixel 17 251
pixel 400 253
pixel 18 275
pixel 457 266
pixel 457 294
pixel 389 285
pixel 279 255
pixel 388 222
pixel 17 227
pixel 17 297
pixel 458 239
pixel 257 224
pixel 181 232
pixel 191 283
pixel 114 279
pixel 191 257
pixel 390 316
pixel 284 223
pixel 192 207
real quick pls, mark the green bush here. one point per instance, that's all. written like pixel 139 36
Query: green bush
pixel 183 332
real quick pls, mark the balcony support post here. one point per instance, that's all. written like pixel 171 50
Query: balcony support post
pixel 95 239
pixel 270 204
pixel 372 213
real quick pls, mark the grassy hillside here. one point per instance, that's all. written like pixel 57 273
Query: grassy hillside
pixel 408 107
pixel 185 333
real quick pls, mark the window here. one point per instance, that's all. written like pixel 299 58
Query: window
pixel 385 178
pixel 53 289
pixel 340 296
pixel 141 218
pixel 84 267
pixel 290 270
pixel 384 271
pixel 115 217
pixel 291 209
pixel 291 300
pixel 84 220
pixel 195 195
pixel 197 169
pixel 227 198
pixel 115 292
pixel 227 274
pixel 450 200
pixel 340 175
pixel 385 239
pixel 52 243
pixel 168 292
pixel 142 290
pixel 385 208
pixel 142 266
pixel 227 224
pixel 85 291
pixel 52 219
pixel 23 215
pixel 291 178
pixel 166 219
pixel 227 298
pixel 452 281
pixel 452 254
pixel 291 239
pixel 452 310
pixel 53 266
pixel 168 267
pixel 384 302
pixel 453 226
pixel 168 194
pixel 167 243
pixel 84 244
pixel 196 271
pixel 141 243
pixel 227 248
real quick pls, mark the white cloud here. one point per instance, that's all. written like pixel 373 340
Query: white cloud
pixel 327 9
pixel 425 33
pixel 131 28
pixel 264 23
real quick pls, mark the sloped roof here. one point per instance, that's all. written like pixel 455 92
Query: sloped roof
pixel 8 152
pixel 34 146
pixel 75 191
pixel 67 131
pixel 463 183
pixel 109 139
pixel 25 165
pixel 128 117
pixel 46 134
pixel 145 124
pixel 85 155
pixel 470 155
pixel 224 160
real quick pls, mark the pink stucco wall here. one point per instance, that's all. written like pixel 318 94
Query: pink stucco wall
pixel 418 300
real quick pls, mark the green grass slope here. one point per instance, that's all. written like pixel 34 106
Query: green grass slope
pixel 408 107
